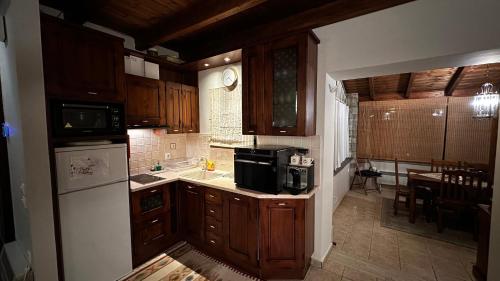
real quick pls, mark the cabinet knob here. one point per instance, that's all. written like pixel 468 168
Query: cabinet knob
pixel 190 130
pixel 92 93
pixel 251 131
pixel 145 121
pixel 212 241
pixel 282 131
pixel 212 227
pixel 190 187
pixel 211 211
pixel 237 199
pixel 211 196
pixel 175 130
pixel 153 191
pixel 281 204
pixel 154 221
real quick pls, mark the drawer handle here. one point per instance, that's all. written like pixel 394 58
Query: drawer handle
pixel 212 241
pixel 237 199
pixel 212 227
pixel 283 131
pixel 154 221
pixel 251 131
pixel 145 121
pixel 175 130
pixel 190 187
pixel 211 196
pixel 281 204
pixel 92 93
pixel 153 191
pixel 211 211
pixel 190 130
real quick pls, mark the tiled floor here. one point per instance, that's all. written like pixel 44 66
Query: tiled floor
pixel 366 251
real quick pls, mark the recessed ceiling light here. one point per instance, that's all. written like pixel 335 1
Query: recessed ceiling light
pixel 206 65
pixel 226 59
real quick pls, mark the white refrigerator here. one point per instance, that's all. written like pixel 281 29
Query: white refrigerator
pixel 94 212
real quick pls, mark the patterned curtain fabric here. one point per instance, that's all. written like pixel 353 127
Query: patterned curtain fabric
pixel 225 119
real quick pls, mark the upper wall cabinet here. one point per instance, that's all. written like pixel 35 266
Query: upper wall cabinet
pixel 81 63
pixel 279 87
pixel 182 106
pixel 145 101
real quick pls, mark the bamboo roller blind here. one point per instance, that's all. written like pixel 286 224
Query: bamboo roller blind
pixel 411 130
pixel 414 130
pixel 467 138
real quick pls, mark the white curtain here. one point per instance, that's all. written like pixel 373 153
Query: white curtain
pixel 341 149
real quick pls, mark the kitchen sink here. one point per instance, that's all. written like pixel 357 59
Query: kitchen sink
pixel 202 175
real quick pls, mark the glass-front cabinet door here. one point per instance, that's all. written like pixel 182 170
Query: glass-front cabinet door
pixel 283 86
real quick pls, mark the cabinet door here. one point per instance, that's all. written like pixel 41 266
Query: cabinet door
pixel 151 237
pixel 282 237
pixel 253 118
pixel 150 202
pixel 173 108
pixel 240 228
pixel 192 212
pixel 80 63
pixel 145 101
pixel 190 107
pixel 284 86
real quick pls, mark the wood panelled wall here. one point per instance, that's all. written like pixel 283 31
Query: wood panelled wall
pixel 420 130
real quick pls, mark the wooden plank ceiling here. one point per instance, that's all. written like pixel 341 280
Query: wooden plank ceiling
pixel 203 28
pixel 454 81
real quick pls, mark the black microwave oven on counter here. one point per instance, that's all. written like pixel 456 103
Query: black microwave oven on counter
pixel 79 119
pixel 262 167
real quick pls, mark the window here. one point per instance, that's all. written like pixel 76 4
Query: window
pixel 341 131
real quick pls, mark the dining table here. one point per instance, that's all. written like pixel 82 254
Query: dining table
pixel 421 179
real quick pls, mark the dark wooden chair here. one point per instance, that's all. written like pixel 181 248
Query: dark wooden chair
pixel 460 192
pixel 363 172
pixel 438 166
pixel 404 192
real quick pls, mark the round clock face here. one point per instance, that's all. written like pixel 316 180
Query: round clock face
pixel 229 77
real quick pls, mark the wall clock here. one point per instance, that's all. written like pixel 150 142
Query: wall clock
pixel 229 77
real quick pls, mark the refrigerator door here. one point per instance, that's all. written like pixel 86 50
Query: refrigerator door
pixel 95 233
pixel 84 167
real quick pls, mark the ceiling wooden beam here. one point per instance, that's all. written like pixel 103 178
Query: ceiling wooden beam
pixel 325 14
pixel 77 12
pixel 371 83
pixel 195 19
pixel 409 85
pixel 454 81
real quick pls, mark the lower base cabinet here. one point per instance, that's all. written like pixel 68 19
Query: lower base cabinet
pixel 267 238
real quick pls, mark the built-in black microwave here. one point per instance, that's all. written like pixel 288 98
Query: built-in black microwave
pixel 74 119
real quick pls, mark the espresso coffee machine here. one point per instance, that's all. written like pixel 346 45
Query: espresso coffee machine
pixel 299 178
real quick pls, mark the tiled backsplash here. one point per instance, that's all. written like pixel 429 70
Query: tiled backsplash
pixel 148 146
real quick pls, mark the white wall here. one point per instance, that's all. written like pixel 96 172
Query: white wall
pixel 494 257
pixel 211 79
pixel 384 42
pixel 24 105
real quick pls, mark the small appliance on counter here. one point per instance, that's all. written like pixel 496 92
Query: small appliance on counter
pixel 261 167
pixel 299 178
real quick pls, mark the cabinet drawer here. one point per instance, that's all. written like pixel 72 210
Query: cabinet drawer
pixel 214 241
pixel 153 229
pixel 214 226
pixel 213 196
pixel 150 202
pixel 214 211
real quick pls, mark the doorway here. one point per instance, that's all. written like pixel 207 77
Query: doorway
pixel 7 233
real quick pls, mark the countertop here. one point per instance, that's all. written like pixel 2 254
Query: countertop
pixel 224 183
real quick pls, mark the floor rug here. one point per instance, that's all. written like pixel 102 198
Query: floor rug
pixel 187 264
pixel 421 227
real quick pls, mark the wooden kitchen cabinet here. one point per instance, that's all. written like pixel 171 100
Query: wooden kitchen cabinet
pixel 154 222
pixel 241 229
pixel 192 212
pixel 81 63
pixel 145 102
pixel 279 87
pixel 286 237
pixel 182 106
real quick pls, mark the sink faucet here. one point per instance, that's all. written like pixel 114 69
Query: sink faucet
pixel 203 161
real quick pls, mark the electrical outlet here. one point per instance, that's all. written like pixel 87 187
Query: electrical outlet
pixel 173 146
pixel 168 156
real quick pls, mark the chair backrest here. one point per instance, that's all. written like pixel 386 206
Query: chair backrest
pixel 476 167
pixel 438 166
pixel 462 186
pixel 396 171
pixel 362 163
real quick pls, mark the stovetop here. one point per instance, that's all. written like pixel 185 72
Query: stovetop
pixel 145 178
